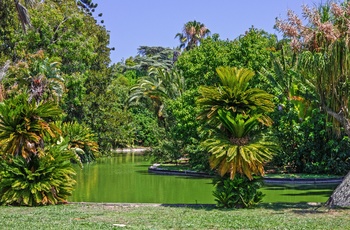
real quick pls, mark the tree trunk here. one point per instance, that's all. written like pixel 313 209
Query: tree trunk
pixel 341 195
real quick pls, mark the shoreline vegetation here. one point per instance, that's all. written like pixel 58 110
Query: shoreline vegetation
pixel 163 216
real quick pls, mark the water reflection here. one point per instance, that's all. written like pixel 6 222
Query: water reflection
pixel 124 178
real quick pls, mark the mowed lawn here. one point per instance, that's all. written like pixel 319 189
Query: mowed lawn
pixel 157 216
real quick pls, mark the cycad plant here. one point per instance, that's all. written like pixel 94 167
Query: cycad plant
pixel 235 113
pixel 24 124
pixel 33 169
pixel 238 148
pixel 50 181
pixel 80 139
pixel 234 93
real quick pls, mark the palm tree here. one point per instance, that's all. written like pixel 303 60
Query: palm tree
pixel 192 33
pixel 159 85
pixel 237 149
pixel 234 94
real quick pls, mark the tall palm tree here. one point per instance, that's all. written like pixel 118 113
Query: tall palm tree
pixel 192 33
pixel 235 94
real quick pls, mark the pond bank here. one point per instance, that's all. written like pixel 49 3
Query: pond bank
pixel 336 180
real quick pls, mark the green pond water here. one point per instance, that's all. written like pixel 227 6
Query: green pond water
pixel 124 178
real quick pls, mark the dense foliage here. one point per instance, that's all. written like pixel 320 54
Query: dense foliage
pixel 210 102
pixel 237 193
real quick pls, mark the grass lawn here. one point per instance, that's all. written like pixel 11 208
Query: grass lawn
pixel 152 216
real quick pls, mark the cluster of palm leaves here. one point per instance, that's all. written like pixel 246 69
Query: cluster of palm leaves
pixel 237 111
pixel 42 181
pixel 160 85
pixel 80 140
pixel 193 32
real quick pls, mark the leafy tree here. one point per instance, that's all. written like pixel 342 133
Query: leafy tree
pixel 254 49
pixel 184 130
pixel 251 50
pixel 192 33
pixel 324 47
pixel 199 65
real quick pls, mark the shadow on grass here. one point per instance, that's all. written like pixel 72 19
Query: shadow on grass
pixel 207 207
pixel 306 193
pixel 298 208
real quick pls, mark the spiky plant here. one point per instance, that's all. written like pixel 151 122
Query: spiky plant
pixel 24 124
pixel 80 139
pixel 235 94
pixel 239 149
pixel 51 181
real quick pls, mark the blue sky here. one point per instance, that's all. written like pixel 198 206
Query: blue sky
pixel 135 23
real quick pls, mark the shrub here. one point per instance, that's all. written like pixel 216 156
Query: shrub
pixel 38 182
pixel 237 193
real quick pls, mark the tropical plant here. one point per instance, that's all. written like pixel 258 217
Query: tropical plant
pixel 236 112
pixel 80 139
pixel 192 33
pixel 324 60
pixel 236 95
pixel 238 148
pixel 24 125
pixel 49 181
pixel 237 193
pixel 39 76
pixel 159 85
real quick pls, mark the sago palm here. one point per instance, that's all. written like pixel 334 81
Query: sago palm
pixel 80 139
pixel 23 126
pixel 239 149
pixel 235 94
